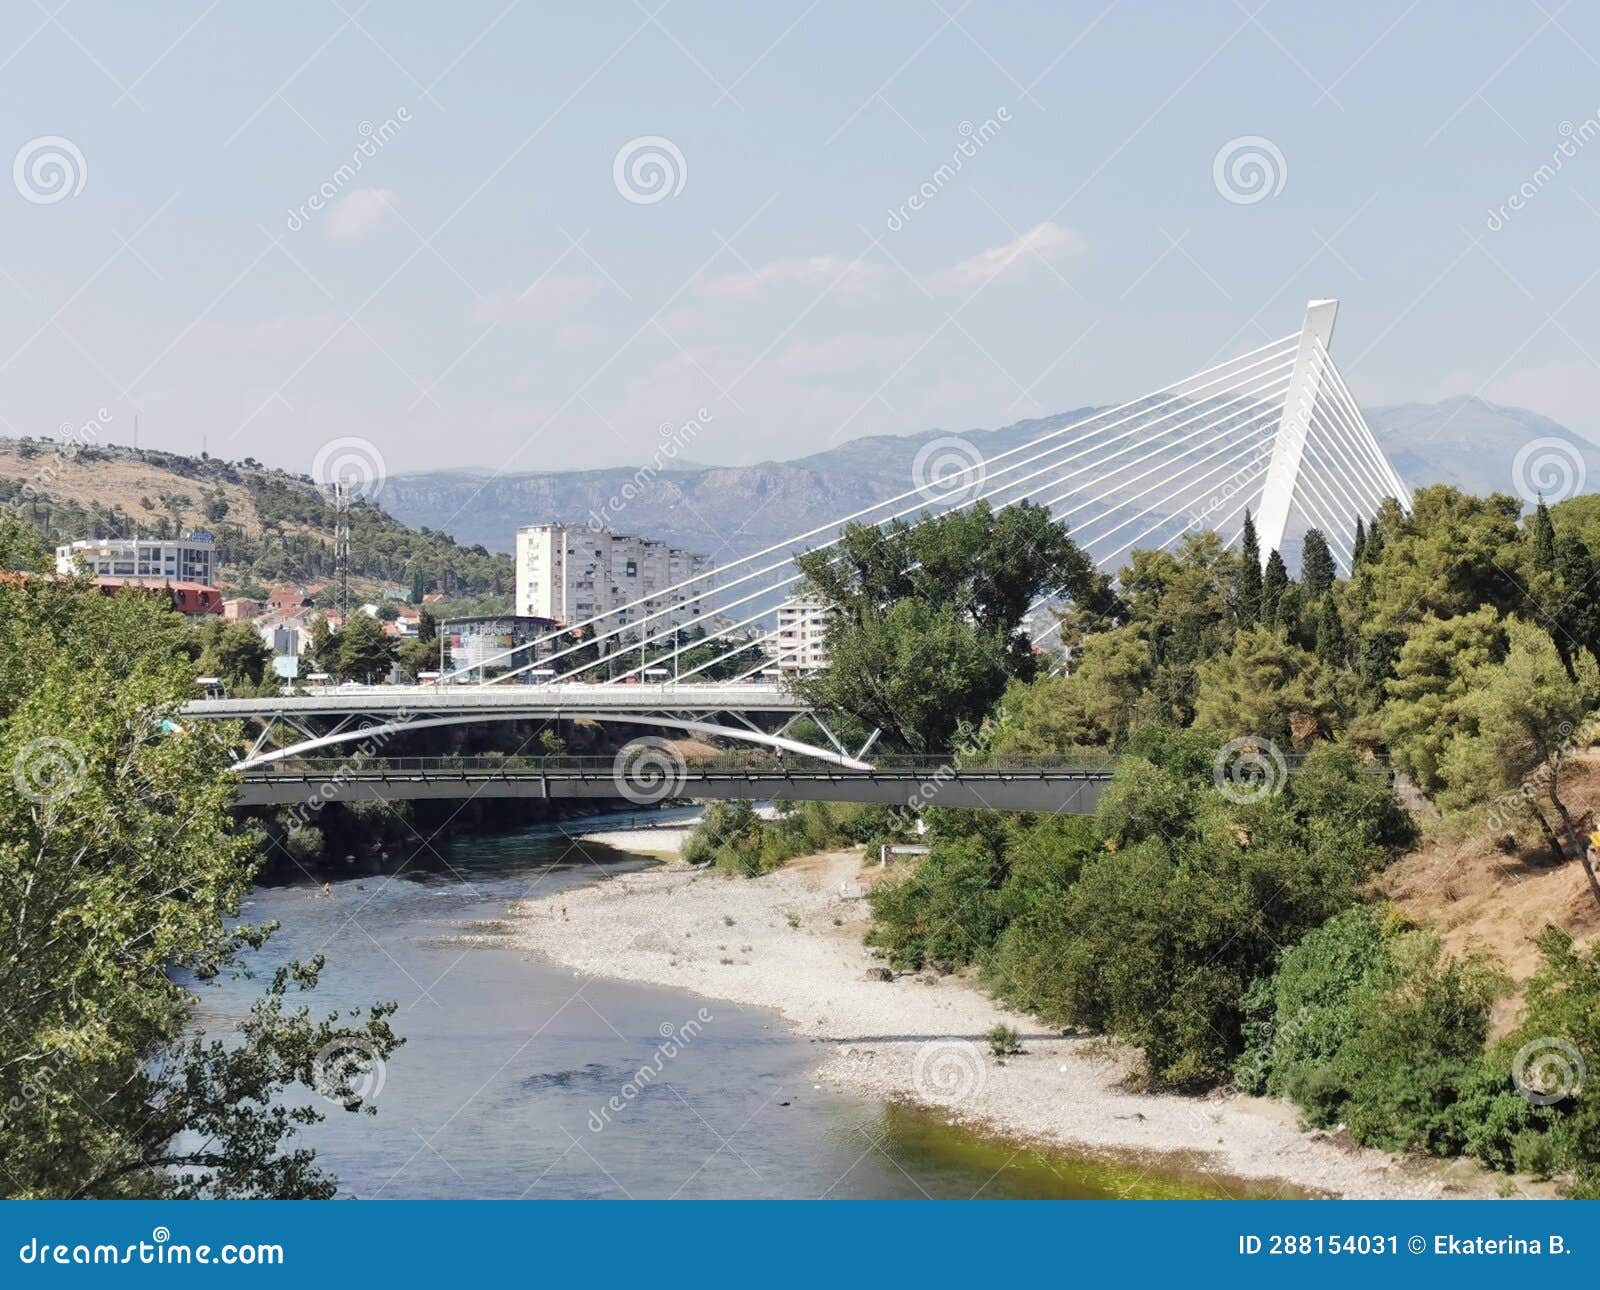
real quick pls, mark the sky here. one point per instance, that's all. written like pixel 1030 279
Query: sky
pixel 527 236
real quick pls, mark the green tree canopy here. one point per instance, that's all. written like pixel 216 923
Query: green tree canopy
pixel 123 871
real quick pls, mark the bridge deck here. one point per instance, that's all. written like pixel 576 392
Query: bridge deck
pixel 1063 789
pixel 572 696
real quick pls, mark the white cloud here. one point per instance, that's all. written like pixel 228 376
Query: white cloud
pixel 552 298
pixel 358 212
pixel 1026 257
pixel 819 271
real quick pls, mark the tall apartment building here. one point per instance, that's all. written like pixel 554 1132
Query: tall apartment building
pixel 572 574
pixel 188 559
pixel 801 644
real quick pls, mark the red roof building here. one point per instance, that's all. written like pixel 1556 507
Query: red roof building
pixel 194 599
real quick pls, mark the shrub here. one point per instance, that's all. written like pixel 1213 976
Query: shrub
pixel 945 908
pixel 1366 1022
pixel 1003 1040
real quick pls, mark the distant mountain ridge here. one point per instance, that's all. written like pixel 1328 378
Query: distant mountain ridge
pixel 728 512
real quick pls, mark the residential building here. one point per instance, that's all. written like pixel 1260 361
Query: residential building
pixel 192 599
pixel 569 573
pixel 801 644
pixel 188 559
pixel 284 634
pixel 241 608
pixel 286 597
pixel 473 640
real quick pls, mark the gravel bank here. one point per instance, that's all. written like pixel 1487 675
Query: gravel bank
pixel 794 945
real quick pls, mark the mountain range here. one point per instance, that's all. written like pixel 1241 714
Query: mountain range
pixel 730 511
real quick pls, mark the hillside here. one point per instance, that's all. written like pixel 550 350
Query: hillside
pixel 270 525
pixel 731 511
pixel 1483 894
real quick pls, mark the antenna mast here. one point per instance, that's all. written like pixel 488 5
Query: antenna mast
pixel 341 545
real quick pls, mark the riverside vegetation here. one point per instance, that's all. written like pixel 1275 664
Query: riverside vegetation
pixel 123 867
pixel 1227 928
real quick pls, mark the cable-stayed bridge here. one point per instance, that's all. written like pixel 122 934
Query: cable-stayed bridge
pixel 1274 431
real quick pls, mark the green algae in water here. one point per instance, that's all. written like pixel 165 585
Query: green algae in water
pixel 961 1163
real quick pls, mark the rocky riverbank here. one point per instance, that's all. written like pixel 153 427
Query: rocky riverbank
pixel 791 941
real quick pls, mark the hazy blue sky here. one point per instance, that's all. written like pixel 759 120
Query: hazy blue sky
pixel 483 292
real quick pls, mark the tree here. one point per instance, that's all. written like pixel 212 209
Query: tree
pixel 1544 539
pixel 1580 603
pixel 1442 661
pixel 1269 687
pixel 322 649
pixel 916 671
pixel 1520 719
pixel 365 653
pixel 1247 593
pixel 1358 545
pixel 1333 646
pixel 1317 569
pixel 236 653
pixel 124 870
pixel 927 618
pixel 1273 581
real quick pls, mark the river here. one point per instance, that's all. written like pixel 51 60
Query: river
pixel 502 1087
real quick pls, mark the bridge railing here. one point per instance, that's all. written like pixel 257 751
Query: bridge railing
pixel 734 763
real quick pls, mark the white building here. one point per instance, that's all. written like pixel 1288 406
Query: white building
pixel 189 559
pixel 801 644
pixel 569 573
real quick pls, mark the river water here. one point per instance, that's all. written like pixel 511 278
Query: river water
pixel 502 1087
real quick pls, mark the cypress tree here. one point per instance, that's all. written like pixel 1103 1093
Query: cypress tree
pixel 1359 546
pixel 1580 608
pixel 1544 539
pixel 1317 570
pixel 1374 548
pixel 1247 594
pixel 1273 582
pixel 1333 647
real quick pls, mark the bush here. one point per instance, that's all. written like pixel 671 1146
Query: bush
pixel 945 909
pixel 1003 1040
pixel 736 840
pixel 1367 1023
pixel 1559 1034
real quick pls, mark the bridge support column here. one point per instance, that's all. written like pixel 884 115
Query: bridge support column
pixel 1294 426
